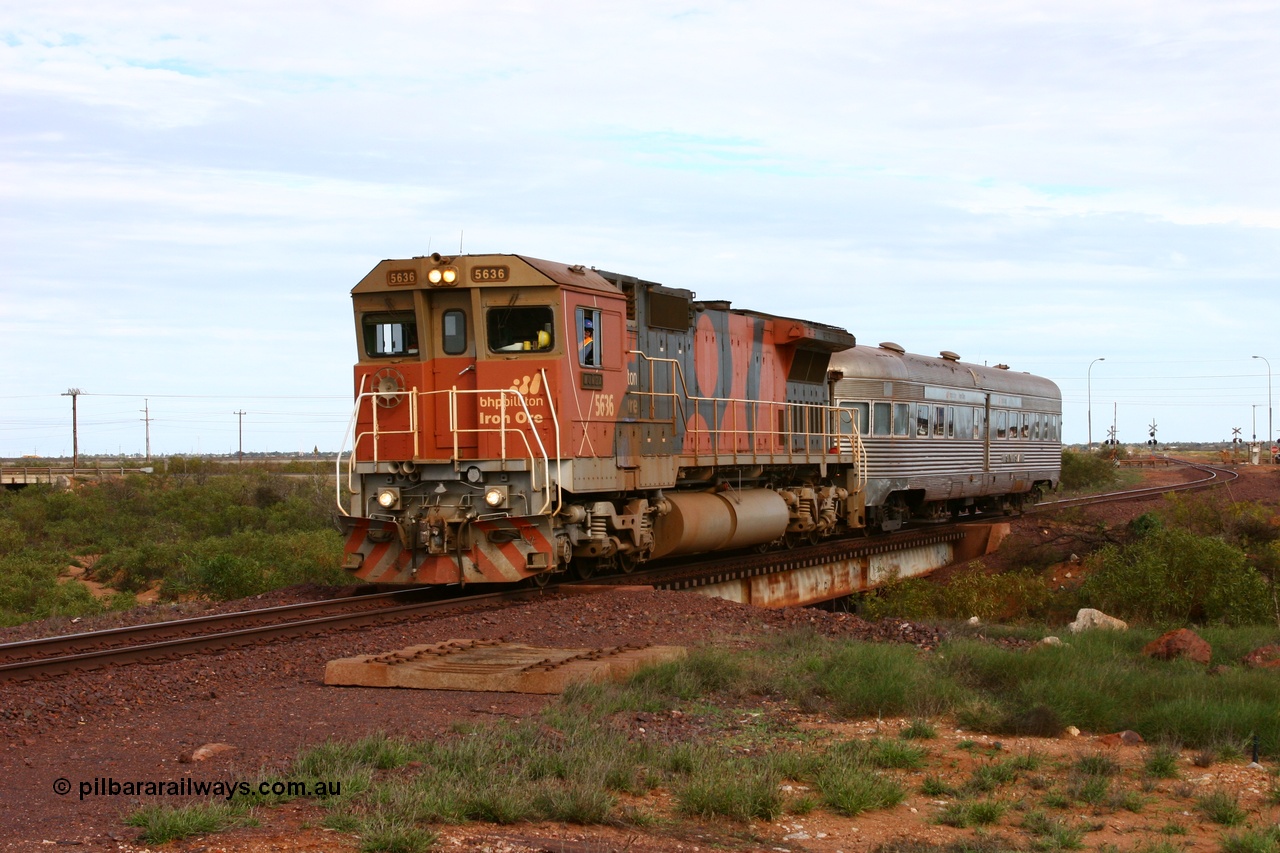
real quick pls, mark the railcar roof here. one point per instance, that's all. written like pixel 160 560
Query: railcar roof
pixel 881 363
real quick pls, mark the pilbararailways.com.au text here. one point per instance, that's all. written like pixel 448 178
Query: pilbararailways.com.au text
pixel 107 786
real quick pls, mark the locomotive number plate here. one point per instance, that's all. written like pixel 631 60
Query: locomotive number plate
pixel 400 277
pixel 482 274
pixel 592 381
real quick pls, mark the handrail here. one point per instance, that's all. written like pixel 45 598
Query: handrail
pixel 502 429
pixel 555 422
pixel 829 439
pixel 537 461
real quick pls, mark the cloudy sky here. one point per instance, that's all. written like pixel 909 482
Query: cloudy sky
pixel 188 191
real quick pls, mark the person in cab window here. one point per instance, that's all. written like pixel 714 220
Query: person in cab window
pixel 588 341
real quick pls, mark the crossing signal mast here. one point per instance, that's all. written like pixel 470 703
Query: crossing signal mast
pixel 1111 436
pixel 1151 431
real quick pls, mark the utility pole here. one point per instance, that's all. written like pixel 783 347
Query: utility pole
pixel 241 415
pixel 146 417
pixel 73 393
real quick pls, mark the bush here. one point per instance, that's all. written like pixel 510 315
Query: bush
pixel 1173 576
pixel 1086 471
pixel 971 591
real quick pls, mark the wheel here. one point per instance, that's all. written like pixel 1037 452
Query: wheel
pixel 584 568
pixel 541 579
pixel 627 561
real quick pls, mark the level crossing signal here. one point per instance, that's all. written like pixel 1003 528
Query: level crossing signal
pixel 1151 431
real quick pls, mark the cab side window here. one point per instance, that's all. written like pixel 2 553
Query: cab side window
pixel 588 326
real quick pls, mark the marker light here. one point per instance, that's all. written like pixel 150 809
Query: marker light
pixel 388 498
pixel 495 496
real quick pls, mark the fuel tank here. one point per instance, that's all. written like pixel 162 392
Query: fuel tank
pixel 704 521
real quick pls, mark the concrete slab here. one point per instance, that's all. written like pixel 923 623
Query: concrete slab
pixel 493 665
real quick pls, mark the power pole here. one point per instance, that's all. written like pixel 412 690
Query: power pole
pixel 241 415
pixel 146 417
pixel 73 393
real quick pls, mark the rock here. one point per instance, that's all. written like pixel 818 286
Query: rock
pixel 209 750
pixel 1071 731
pixel 974 620
pixel 1266 657
pixel 1088 619
pixel 1181 643
pixel 1127 737
pixel 1050 641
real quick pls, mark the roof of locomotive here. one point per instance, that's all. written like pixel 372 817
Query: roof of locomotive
pixel 569 275
pixel 886 362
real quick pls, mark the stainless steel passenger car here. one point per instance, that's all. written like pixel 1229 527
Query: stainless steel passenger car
pixel 946 438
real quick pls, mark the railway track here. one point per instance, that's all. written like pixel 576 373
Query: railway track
pixel 1211 476
pixel 157 641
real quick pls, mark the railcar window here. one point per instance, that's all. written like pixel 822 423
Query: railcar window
pixel 939 421
pixel 390 334
pixel 882 419
pixel 1025 420
pixel 999 423
pixel 453 332
pixel 964 422
pixel 521 328
pixel 901 419
pixel 855 414
pixel 922 421
pixel 977 422
pixel 589 337
pixel 1035 426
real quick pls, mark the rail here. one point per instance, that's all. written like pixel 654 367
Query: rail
pixel 821 437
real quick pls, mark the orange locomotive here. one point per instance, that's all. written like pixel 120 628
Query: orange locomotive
pixel 516 418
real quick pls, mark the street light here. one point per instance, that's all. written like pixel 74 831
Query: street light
pixel 1269 433
pixel 1089 382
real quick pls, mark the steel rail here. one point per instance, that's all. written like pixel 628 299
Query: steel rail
pixel 216 640
pixel 63 644
pixel 1214 476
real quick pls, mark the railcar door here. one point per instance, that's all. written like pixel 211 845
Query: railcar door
pixel 987 427
pixel 453 366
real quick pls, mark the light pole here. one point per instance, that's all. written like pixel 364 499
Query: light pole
pixel 1269 433
pixel 1089 382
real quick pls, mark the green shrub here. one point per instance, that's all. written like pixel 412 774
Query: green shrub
pixel 1086 471
pixel 1175 576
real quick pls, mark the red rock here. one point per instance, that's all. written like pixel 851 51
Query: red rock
pixel 1182 643
pixel 1266 657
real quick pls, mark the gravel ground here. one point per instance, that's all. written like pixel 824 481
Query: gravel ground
pixel 143 721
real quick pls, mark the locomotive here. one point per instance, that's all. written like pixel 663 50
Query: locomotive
pixel 515 418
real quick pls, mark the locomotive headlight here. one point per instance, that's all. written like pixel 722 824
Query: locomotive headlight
pixel 389 498
pixel 443 275
pixel 495 496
